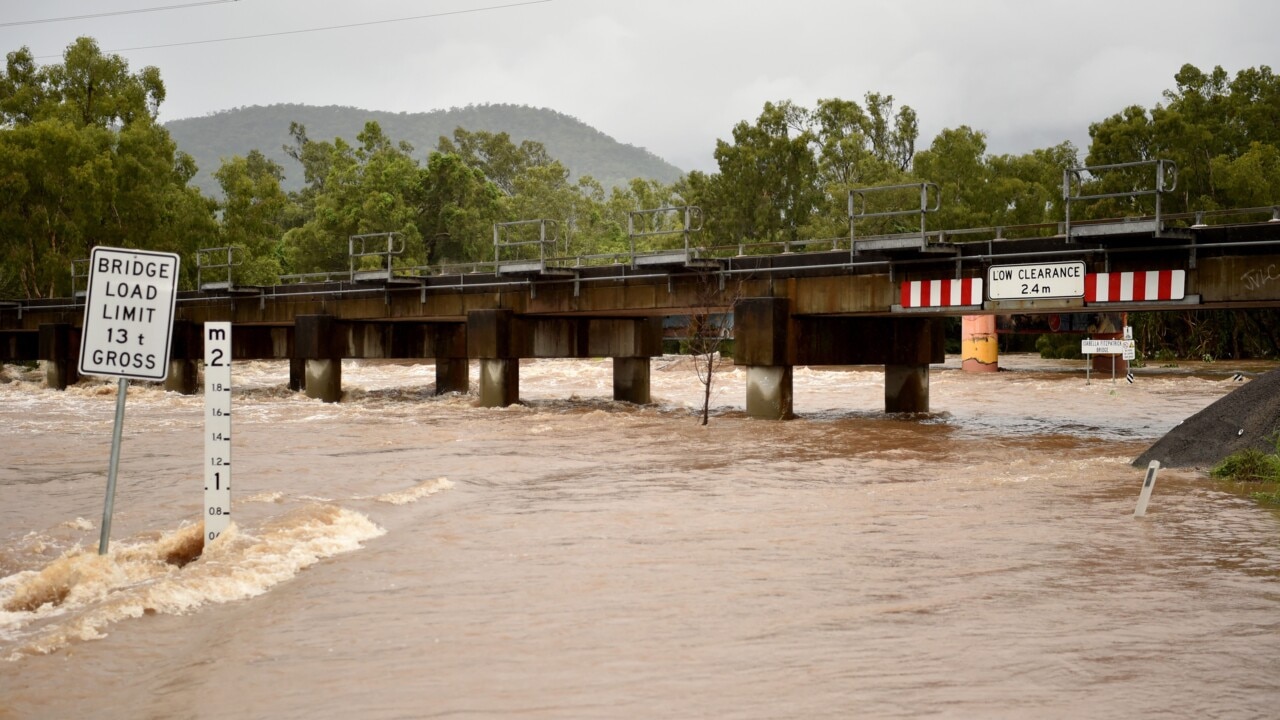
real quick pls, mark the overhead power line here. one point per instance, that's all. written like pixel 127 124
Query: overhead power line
pixel 114 13
pixel 322 29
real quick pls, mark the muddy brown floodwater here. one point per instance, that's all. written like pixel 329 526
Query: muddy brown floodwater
pixel 401 555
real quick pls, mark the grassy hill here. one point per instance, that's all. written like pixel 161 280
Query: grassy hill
pixel 583 149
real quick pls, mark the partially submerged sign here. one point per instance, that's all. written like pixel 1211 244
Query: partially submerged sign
pixel 127 334
pixel 128 313
pixel 1108 347
pixel 1039 281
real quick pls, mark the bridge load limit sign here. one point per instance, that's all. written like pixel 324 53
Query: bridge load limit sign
pixel 128 314
pixel 1031 282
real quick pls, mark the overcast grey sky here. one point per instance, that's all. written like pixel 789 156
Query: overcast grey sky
pixel 674 76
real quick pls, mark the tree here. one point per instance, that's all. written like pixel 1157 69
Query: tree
pixel 373 187
pixel 1209 121
pixel 459 207
pixel 84 163
pixel 956 162
pixel 709 329
pixel 765 190
pixel 495 155
pixel 253 216
pixel 787 176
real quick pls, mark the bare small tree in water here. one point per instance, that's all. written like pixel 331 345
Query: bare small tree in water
pixel 710 326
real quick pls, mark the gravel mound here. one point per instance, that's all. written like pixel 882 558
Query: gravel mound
pixel 1249 417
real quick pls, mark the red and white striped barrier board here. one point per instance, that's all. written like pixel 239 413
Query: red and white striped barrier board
pixel 1135 286
pixel 941 293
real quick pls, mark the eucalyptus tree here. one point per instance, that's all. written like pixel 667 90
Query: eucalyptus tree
pixel 496 155
pixel 254 216
pixel 459 207
pixel 372 187
pixel 787 176
pixel 83 162
pixel 1215 127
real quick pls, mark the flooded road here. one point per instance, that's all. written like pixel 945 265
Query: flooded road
pixel 401 555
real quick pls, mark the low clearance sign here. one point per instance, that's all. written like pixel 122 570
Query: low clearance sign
pixel 128 314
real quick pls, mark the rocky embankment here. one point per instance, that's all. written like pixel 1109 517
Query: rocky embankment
pixel 1249 417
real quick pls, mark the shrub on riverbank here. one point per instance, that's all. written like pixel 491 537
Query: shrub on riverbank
pixel 1255 468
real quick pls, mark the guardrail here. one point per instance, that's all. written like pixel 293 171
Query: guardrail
pixel 1164 180
pixel 391 245
pixel 1189 220
pixel 858 209
pixel 682 220
pixel 518 258
pixel 218 258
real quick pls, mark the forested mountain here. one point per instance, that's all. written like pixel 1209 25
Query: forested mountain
pixel 581 148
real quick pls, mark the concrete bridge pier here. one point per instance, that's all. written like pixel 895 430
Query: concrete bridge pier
pixel 631 380
pixel 184 370
pixel 452 375
pixel 769 341
pixel 315 344
pixel 59 355
pixel 762 342
pixel 906 388
pixel 769 392
pixel 184 376
pixel 979 346
pixel 910 345
pixel 453 367
pixel 631 342
pixel 297 374
pixel 489 341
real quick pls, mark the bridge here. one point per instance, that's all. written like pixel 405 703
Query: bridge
pixel 854 300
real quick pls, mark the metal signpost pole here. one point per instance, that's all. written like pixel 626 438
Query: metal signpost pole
pixel 105 537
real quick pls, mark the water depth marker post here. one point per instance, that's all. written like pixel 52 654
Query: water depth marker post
pixel 127 333
pixel 217 428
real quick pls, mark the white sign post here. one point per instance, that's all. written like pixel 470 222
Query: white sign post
pixel 217 428
pixel 127 333
pixel 1036 282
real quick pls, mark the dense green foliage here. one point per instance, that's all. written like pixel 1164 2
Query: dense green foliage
pixel 1221 132
pixel 83 162
pixel 1255 471
pixel 1249 465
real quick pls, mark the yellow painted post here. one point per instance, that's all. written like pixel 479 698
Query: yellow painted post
pixel 979 350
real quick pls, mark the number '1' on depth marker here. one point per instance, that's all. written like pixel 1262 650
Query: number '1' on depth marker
pixel 217 428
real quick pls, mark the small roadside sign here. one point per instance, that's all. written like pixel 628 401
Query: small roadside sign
pixel 1107 347
pixel 1031 282
pixel 128 314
